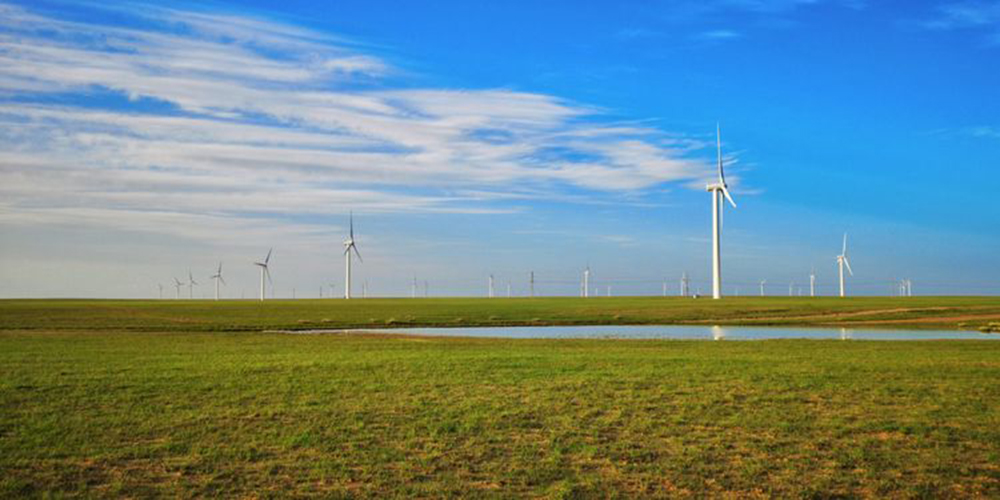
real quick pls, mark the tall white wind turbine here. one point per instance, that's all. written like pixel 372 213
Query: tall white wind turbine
pixel 348 246
pixel 191 284
pixel 812 282
pixel 718 190
pixel 586 282
pixel 218 277
pixel 685 285
pixel 264 271
pixel 491 286
pixel 762 283
pixel 842 261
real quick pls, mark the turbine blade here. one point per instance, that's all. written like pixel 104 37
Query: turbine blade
pixel 352 225
pixel 718 151
pixel 844 251
pixel 848 264
pixel 358 254
pixel 268 273
pixel 268 258
pixel 222 280
pixel 725 192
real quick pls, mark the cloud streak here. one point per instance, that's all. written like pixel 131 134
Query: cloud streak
pixel 210 115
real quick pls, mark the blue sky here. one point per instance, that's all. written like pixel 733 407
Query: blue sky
pixel 141 140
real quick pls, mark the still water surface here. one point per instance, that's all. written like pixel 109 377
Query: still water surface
pixel 682 332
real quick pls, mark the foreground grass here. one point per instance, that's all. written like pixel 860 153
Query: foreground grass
pixel 251 414
pixel 237 315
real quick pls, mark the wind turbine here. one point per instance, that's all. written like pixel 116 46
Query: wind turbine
pixel 718 190
pixel 264 271
pixel 491 286
pixel 586 282
pixel 348 246
pixel 218 277
pixel 812 282
pixel 191 284
pixel 762 283
pixel 841 262
pixel 413 288
pixel 160 286
pixel 531 281
pixel 685 284
pixel 177 286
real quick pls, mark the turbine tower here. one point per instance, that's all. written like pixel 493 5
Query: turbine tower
pixel 177 286
pixel 191 284
pixel 812 282
pixel 685 284
pixel 491 286
pixel 160 286
pixel 586 282
pixel 264 271
pixel 841 262
pixel 348 246
pixel 218 277
pixel 531 281
pixel 762 283
pixel 718 190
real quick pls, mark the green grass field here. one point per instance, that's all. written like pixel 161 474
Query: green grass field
pixel 140 399
pixel 240 315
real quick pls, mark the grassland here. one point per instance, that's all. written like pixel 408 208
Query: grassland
pixel 252 414
pixel 237 315
pixel 178 398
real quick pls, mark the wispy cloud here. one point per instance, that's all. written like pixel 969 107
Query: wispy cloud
pixel 214 115
pixel 720 35
pixel 968 15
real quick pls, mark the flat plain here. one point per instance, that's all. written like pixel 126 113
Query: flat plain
pixel 193 398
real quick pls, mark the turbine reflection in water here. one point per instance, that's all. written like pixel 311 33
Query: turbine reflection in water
pixel 718 333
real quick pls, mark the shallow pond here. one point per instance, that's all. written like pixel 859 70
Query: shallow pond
pixel 678 332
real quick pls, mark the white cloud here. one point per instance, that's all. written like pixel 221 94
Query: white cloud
pixel 233 116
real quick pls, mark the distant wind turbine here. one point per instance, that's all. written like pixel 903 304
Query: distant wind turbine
pixel 531 282
pixel 348 246
pixel 160 286
pixel 218 277
pixel 812 282
pixel 264 271
pixel 718 190
pixel 491 286
pixel 842 261
pixel 762 283
pixel 177 286
pixel 191 284
pixel 685 285
pixel 586 282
